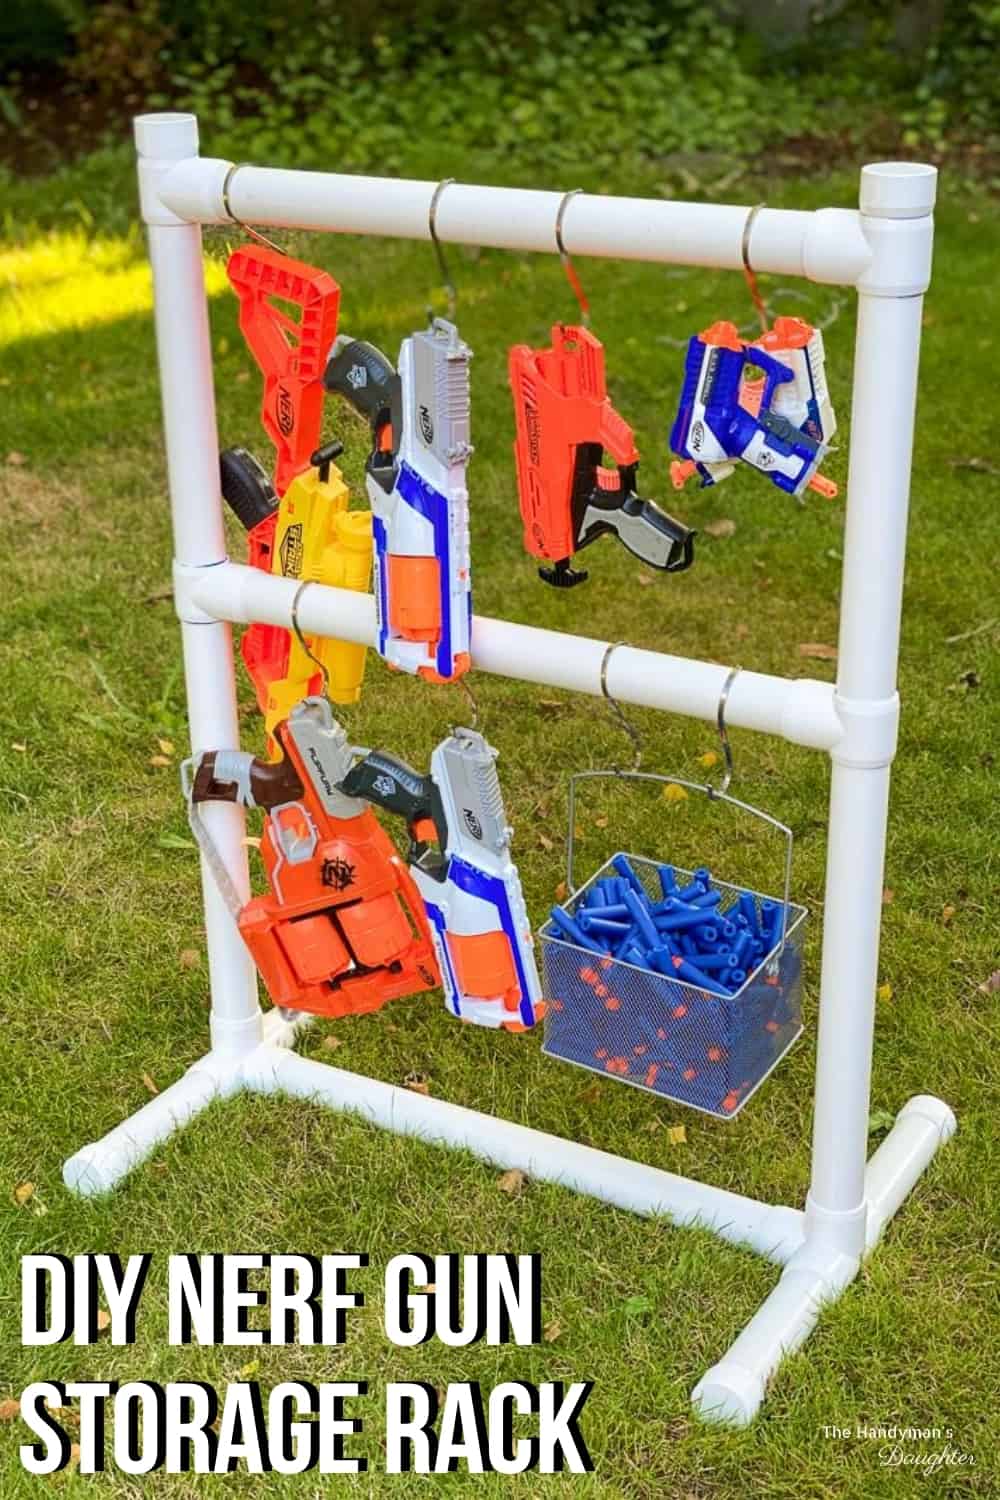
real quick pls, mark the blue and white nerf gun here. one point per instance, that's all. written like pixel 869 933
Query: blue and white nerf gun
pixel 780 423
pixel 415 477
pixel 459 859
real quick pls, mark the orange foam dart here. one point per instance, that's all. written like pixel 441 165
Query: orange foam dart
pixel 681 470
pixel 291 352
pixel 823 486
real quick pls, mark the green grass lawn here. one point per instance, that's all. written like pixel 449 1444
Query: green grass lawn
pixel 105 992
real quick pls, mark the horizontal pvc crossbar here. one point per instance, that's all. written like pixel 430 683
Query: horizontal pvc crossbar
pixel 827 245
pixel 799 709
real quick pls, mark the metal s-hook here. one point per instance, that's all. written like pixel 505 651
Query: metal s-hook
pixel 566 261
pixel 248 229
pixel 748 271
pixel 727 749
pixel 624 721
pixel 446 281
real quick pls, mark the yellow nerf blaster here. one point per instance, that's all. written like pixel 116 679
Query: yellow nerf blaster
pixel 308 534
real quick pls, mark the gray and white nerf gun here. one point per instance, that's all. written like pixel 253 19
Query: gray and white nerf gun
pixel 459 858
pixel 415 478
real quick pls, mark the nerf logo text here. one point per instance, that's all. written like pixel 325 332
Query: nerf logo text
pixel 531 423
pixel 426 425
pixel 696 441
pixel 285 411
pixel 291 551
pixel 472 823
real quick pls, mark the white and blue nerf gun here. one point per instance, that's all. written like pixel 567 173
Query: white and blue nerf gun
pixel 459 858
pixel 415 478
pixel 779 421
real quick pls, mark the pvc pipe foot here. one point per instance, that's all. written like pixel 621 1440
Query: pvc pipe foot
pixel 728 1393
pixel 922 1125
pixel 101 1165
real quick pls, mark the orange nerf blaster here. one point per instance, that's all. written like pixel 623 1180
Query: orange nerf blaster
pixel 342 928
pixel 299 527
pixel 565 423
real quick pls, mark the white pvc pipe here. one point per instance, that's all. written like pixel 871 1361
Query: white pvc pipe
pixel 732 1390
pixel 885 380
pixel 101 1165
pixel 800 709
pixel 185 362
pixel 775 1232
pixel 827 246
pixel 922 1125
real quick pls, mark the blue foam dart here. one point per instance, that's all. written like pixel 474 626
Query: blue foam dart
pixel 615 911
pixel 678 920
pixel 687 945
pixel 742 949
pixel 594 896
pixel 704 874
pixel 574 931
pixel 696 888
pixel 709 898
pixel 634 955
pixel 627 873
pixel 707 934
pixel 668 880
pixel 640 916
pixel 603 924
pixel 721 960
pixel 748 908
pixel 690 972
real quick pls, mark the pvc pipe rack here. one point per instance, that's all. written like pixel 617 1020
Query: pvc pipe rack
pixel 883 250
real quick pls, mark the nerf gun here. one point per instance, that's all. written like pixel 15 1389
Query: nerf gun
pixel 308 534
pixel 342 928
pixel 565 421
pixel 415 477
pixel 459 858
pixel 299 527
pixel 780 422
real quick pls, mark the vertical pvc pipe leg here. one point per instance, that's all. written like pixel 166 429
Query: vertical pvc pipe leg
pixel 896 203
pixel 185 361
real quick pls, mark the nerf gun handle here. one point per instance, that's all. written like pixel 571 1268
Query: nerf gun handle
pixel 237 776
pixel 369 382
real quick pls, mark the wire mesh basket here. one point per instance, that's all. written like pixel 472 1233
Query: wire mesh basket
pixel 665 1035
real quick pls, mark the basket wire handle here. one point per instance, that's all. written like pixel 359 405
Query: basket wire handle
pixel 714 794
pixel 446 281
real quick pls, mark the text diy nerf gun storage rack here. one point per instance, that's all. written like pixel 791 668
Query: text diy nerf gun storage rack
pixel 883 250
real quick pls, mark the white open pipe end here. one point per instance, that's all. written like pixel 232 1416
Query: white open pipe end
pixel 921 1127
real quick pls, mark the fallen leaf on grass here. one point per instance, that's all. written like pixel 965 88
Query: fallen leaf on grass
pixel 174 841
pixel 947 912
pixel 721 528
pixel 742 631
pixel 880 1119
pixel 643 580
pixel 885 991
pixel 331 1043
pixel 818 650
pixel 561 891
pixel 677 1135
pixel 103 1320
pixel 74 1455
pixel 551 706
pixel 551 1332
pixel 991 985
pixel 23 1193
pixel 674 793
pixel 418 1082
pixel 601 822
pixel 189 958
pixel 249 1370
pixel 166 747
pixel 888 895
pixel 512 1182
pixel 250 841
pixel 149 1084
pixel 16 459
pixel 637 1304
pixel 21 749
pixel 590 1094
pixel 708 760
pixel 546 843
pixel 977 465
pixel 9 1410
pixel 159 761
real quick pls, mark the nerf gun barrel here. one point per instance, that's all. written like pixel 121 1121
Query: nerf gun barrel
pixel 415 477
pixel 460 862
pixel 311 535
pixel 342 927
pixel 565 422
pixel 780 422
